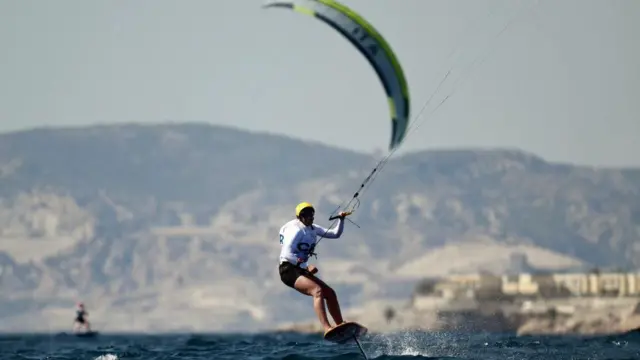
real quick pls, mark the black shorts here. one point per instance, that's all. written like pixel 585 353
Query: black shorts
pixel 289 273
pixel 80 320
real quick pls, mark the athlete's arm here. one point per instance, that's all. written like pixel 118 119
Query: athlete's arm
pixel 333 233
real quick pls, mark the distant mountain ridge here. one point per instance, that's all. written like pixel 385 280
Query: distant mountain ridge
pixel 178 223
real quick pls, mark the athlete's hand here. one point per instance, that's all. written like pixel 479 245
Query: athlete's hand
pixel 312 269
pixel 344 214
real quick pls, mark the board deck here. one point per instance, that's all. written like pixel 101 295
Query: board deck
pixel 86 334
pixel 345 332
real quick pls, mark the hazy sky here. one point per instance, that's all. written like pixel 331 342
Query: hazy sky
pixel 562 80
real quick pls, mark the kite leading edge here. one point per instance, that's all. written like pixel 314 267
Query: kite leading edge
pixel 373 46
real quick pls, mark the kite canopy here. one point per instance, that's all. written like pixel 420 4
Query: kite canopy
pixel 373 46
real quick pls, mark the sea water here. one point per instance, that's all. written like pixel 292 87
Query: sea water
pixel 292 346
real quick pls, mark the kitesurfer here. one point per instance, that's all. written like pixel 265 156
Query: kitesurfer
pixel 80 320
pixel 298 238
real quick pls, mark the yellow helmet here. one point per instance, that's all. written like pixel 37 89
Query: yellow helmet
pixel 301 206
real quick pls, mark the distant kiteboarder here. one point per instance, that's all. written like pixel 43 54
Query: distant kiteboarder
pixel 81 321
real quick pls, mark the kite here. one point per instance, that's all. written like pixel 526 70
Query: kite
pixel 370 44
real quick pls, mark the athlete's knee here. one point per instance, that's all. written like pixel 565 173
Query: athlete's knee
pixel 316 291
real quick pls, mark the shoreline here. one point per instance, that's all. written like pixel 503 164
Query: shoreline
pixel 581 321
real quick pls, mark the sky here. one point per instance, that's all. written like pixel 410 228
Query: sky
pixel 558 78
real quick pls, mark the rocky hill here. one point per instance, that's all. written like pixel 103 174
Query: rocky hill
pixel 174 226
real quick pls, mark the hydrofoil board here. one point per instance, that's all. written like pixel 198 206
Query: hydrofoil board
pixel 345 332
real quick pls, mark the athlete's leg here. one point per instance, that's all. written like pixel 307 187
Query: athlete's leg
pixel 332 300
pixel 311 285
pixel 311 288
